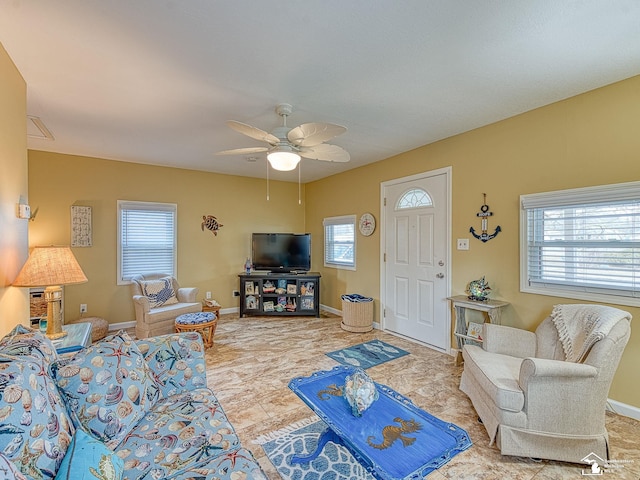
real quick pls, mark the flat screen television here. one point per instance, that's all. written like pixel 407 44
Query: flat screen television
pixel 281 252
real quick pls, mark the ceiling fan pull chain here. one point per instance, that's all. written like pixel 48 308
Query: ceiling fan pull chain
pixel 299 169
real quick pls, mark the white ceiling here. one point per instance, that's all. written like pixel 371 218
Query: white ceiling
pixel 154 81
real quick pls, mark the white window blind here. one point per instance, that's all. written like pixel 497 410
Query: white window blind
pixel 146 239
pixel 583 243
pixel 340 242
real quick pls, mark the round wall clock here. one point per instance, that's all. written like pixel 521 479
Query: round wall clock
pixel 367 224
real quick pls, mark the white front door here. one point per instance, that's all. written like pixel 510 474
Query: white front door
pixel 416 261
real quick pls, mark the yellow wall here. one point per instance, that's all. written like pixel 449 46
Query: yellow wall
pixel 591 139
pixel 14 302
pixel 208 262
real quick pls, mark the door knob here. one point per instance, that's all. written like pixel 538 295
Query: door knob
pixel 440 275
pixel 441 263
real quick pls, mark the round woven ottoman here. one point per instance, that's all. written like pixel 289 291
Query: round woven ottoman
pixel 203 322
pixel 99 327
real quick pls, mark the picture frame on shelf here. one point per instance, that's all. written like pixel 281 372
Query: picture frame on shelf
pixel 307 288
pixel 292 289
pixel 249 288
pixel 474 330
pixel 251 302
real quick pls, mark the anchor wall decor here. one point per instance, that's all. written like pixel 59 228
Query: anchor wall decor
pixel 484 213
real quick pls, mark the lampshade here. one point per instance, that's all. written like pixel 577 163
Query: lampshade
pixel 50 266
pixel 283 158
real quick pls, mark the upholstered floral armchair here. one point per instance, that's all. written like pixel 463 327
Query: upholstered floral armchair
pixel 158 300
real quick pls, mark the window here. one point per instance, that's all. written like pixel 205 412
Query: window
pixel 340 242
pixel 414 198
pixel 146 239
pixel 582 243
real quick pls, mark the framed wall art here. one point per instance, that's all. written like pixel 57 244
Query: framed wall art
pixel 81 235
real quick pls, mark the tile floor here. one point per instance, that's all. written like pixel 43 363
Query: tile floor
pixel 254 358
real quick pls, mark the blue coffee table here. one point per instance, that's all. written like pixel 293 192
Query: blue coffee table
pixel 393 439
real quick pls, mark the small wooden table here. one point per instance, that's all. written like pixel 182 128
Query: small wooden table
pixel 215 310
pixel 493 308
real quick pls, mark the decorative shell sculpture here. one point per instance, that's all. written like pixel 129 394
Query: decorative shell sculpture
pixel 211 223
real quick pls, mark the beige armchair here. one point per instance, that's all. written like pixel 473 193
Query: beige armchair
pixel 543 394
pixel 156 309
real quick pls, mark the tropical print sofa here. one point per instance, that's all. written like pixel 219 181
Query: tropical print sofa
pixel 119 409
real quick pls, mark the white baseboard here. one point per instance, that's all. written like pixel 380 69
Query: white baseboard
pixel 335 311
pixel 623 409
pixel 121 326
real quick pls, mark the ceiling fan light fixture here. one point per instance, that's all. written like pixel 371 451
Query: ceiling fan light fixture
pixel 283 158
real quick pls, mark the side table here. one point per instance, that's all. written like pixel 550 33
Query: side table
pixel 214 310
pixel 78 336
pixel 493 308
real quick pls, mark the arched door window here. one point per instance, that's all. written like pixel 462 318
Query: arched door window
pixel 414 198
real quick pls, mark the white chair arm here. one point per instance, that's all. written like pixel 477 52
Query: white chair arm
pixel 187 294
pixel 544 367
pixel 514 342
pixel 140 301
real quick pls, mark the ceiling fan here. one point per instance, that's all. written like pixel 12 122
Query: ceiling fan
pixel 287 145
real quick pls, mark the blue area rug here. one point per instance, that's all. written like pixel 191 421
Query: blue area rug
pixel 334 463
pixel 367 355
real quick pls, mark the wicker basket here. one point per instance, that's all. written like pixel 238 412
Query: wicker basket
pixel 37 305
pixel 99 326
pixel 357 316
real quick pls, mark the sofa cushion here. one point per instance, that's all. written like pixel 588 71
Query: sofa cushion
pixel 159 292
pixel 182 432
pixel 8 470
pixel 497 375
pixel 36 430
pixel 177 361
pixel 108 387
pixel 88 457
pixel 24 342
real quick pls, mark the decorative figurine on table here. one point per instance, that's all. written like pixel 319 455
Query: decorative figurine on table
pixel 360 391
pixel 479 290
pixel 484 214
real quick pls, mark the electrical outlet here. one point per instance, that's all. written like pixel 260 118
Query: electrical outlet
pixel 83 308
pixel 208 295
pixel 236 293
pixel 463 244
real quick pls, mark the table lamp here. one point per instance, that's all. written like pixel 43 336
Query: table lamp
pixel 51 267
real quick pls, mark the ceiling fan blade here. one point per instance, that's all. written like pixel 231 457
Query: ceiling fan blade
pixel 329 153
pixel 311 134
pixel 253 132
pixel 243 151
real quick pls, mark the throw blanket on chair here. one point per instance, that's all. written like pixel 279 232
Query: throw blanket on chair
pixel 580 326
